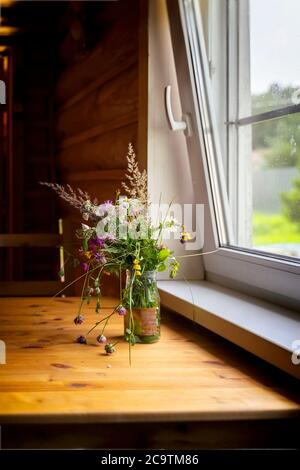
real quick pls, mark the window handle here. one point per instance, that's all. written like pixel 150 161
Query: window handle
pixel 184 124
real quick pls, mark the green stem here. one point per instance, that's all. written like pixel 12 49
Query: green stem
pixel 91 271
pixel 82 293
pixel 120 280
pixel 131 320
pixel 198 254
pixel 163 222
pixel 106 324
pixel 100 321
pixel 73 282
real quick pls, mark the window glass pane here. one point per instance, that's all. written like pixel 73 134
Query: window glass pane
pixel 274 61
pixel 261 161
pixel 274 152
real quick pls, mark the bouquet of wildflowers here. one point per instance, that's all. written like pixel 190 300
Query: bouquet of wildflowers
pixel 117 236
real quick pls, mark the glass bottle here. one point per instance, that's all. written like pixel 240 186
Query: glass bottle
pixel 142 293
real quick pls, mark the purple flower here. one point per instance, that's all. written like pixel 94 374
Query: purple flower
pixel 101 339
pixel 121 310
pixel 85 266
pixel 93 247
pixel 109 348
pixel 100 258
pixel 96 242
pixel 81 339
pixel 79 319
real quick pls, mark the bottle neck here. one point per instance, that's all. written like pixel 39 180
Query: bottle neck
pixel 151 275
pixel 147 275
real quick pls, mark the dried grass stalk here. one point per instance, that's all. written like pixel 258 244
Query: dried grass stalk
pixel 136 186
pixel 75 198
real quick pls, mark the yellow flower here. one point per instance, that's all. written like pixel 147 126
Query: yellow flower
pixel 88 254
pixel 185 236
pixel 137 267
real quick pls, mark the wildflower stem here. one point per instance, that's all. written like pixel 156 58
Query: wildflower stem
pixel 198 254
pixel 131 320
pixel 120 281
pixel 82 293
pixel 82 275
pixel 163 222
pixel 100 321
pixel 73 282
pixel 106 322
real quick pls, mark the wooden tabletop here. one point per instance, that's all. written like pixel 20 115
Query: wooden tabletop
pixel 190 374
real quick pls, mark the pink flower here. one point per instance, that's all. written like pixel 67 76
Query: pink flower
pixel 81 339
pixel 121 310
pixel 85 266
pixel 101 339
pixel 100 258
pixel 79 319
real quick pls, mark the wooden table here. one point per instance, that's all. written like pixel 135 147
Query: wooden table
pixel 191 389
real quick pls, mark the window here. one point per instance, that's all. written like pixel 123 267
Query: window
pixel 255 81
pixel 245 88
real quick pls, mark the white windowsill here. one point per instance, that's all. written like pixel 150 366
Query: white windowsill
pixel 260 327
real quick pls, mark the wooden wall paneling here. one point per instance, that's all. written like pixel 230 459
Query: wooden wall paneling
pixel 104 151
pixel 111 101
pixel 9 200
pixel 116 49
pixel 96 175
pixel 98 107
pixel 118 69
pixel 143 91
pixel 100 129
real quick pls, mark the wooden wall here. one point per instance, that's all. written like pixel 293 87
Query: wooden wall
pixel 26 134
pixel 97 96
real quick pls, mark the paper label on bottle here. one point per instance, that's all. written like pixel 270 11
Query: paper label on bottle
pixel 147 318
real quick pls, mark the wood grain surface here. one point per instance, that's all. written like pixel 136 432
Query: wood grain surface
pixel 190 375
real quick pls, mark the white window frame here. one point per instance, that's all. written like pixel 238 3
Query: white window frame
pixel 239 182
pixel 267 276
